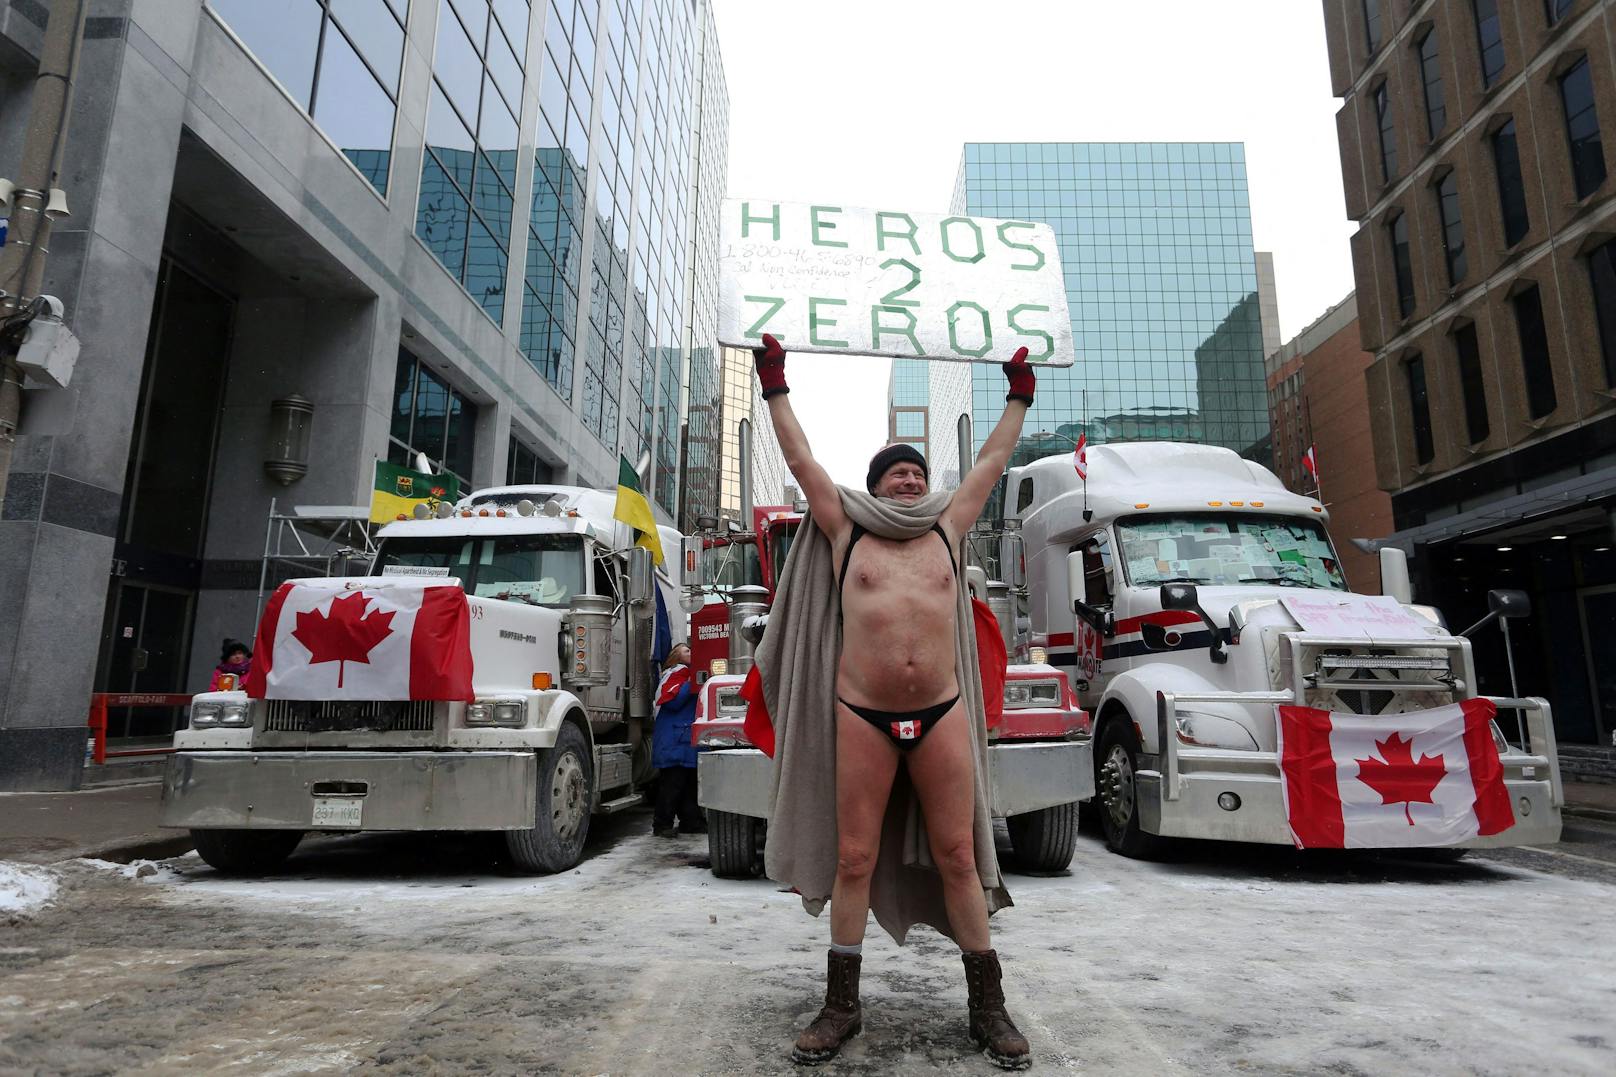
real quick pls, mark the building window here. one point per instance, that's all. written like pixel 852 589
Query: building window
pixel 1419 408
pixel 1470 381
pixel 1490 38
pixel 1602 269
pixel 431 417
pixel 469 170
pixel 1582 129
pixel 1555 10
pixel 1447 205
pixel 1371 18
pixel 1511 188
pixel 340 60
pixel 524 468
pixel 1401 266
pixel 1436 112
pixel 1388 133
pixel 1535 364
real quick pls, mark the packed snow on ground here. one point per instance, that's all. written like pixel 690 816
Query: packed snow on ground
pixel 640 961
pixel 24 888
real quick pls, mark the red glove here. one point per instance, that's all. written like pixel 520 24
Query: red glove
pixel 1022 379
pixel 771 366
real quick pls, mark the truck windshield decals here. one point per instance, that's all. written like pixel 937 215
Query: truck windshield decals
pixel 1229 549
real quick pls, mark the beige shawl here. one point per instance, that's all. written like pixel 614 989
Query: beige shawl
pixel 797 660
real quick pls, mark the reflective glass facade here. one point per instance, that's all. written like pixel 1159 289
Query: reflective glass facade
pixel 339 60
pixel 1155 243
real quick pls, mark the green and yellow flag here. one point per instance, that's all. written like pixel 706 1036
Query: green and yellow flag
pixel 634 510
pixel 398 490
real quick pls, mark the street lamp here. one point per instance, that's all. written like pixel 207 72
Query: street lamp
pixel 289 421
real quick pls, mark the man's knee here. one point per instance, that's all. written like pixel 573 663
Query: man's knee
pixel 855 860
pixel 956 856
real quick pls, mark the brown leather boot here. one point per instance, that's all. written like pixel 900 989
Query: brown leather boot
pixel 840 1020
pixel 991 1027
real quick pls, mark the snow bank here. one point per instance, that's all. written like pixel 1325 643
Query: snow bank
pixel 24 889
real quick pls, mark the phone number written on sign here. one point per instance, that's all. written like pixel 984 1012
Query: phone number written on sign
pixel 890 282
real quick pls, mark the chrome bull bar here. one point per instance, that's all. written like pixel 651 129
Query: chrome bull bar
pixel 1541 750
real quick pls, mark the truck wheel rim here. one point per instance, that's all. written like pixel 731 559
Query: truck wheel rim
pixel 1116 780
pixel 567 791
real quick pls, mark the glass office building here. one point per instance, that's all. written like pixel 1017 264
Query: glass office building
pixel 1161 280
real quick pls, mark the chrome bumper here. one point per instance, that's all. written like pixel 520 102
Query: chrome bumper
pixel 398 790
pixel 1024 777
pixel 1179 799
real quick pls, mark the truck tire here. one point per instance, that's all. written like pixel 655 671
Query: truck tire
pixel 734 845
pixel 1118 793
pixel 1044 840
pixel 245 852
pixel 566 791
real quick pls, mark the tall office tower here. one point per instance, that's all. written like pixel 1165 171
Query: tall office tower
pixel 483 231
pixel 1161 280
pixel 1474 161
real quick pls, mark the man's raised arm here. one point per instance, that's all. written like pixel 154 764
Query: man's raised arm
pixel 962 511
pixel 817 487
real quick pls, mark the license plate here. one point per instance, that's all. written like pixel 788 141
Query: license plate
pixel 341 812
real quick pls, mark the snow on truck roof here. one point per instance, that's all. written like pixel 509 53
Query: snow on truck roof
pixel 1157 476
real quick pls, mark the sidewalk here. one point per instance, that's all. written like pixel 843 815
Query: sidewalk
pixel 1591 798
pixel 117 822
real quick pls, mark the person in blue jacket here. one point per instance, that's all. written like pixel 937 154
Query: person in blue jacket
pixel 671 751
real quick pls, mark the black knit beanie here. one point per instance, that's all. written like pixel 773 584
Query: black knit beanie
pixel 882 461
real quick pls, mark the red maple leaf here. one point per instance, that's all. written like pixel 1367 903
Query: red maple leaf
pixel 1397 778
pixel 346 635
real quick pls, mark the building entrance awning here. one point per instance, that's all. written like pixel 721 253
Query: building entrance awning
pixel 1582 503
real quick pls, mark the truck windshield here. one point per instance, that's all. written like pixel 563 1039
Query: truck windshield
pixel 780 548
pixel 731 564
pixel 1224 549
pixel 543 570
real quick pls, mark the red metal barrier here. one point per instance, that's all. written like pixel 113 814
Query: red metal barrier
pixel 100 701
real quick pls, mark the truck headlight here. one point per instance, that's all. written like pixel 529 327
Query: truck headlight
pixel 500 712
pixel 1023 694
pixel 1205 730
pixel 235 714
pixel 722 738
pixel 730 703
pixel 205 715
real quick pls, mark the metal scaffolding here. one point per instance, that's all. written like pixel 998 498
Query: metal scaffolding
pixel 314 540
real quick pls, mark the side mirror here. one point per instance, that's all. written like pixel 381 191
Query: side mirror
pixel 1076 584
pixel 641 579
pixel 1394 575
pixel 1184 596
pixel 1509 603
pixel 976 578
pixel 1013 555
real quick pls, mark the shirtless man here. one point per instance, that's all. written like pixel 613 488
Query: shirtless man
pixel 898 699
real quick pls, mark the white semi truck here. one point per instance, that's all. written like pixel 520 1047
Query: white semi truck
pixel 1188 592
pixel 562 612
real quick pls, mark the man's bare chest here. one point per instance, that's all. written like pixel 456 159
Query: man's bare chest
pixel 921 565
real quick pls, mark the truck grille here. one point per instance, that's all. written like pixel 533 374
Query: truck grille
pixel 341 716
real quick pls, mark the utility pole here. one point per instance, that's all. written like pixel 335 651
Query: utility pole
pixel 22 259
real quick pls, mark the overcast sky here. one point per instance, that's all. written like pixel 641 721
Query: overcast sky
pixel 868 102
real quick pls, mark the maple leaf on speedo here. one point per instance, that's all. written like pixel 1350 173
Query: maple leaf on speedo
pixel 346 635
pixel 1397 778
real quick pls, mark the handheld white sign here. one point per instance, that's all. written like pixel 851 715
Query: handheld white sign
pixel 840 279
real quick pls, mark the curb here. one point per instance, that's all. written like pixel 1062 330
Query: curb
pixel 155 846
pixel 1581 812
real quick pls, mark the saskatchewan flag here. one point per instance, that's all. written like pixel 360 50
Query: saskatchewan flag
pixel 399 490
pixel 634 510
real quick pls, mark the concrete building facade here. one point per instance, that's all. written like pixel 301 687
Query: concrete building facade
pixel 470 229
pixel 1477 166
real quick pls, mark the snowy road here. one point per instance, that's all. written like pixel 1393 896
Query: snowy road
pixel 412 956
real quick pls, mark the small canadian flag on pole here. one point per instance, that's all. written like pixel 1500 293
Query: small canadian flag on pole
pixel 366 639
pixel 1310 462
pixel 1080 457
pixel 1419 779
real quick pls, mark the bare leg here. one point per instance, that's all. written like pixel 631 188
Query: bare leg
pixel 866 761
pixel 942 771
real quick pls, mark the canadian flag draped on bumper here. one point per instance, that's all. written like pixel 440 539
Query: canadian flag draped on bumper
pixel 373 638
pixel 1424 778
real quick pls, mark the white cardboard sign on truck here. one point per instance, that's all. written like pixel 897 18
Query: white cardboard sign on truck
pixel 841 279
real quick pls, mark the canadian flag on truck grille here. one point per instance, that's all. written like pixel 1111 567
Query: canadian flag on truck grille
pixel 402 638
pixel 1425 778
